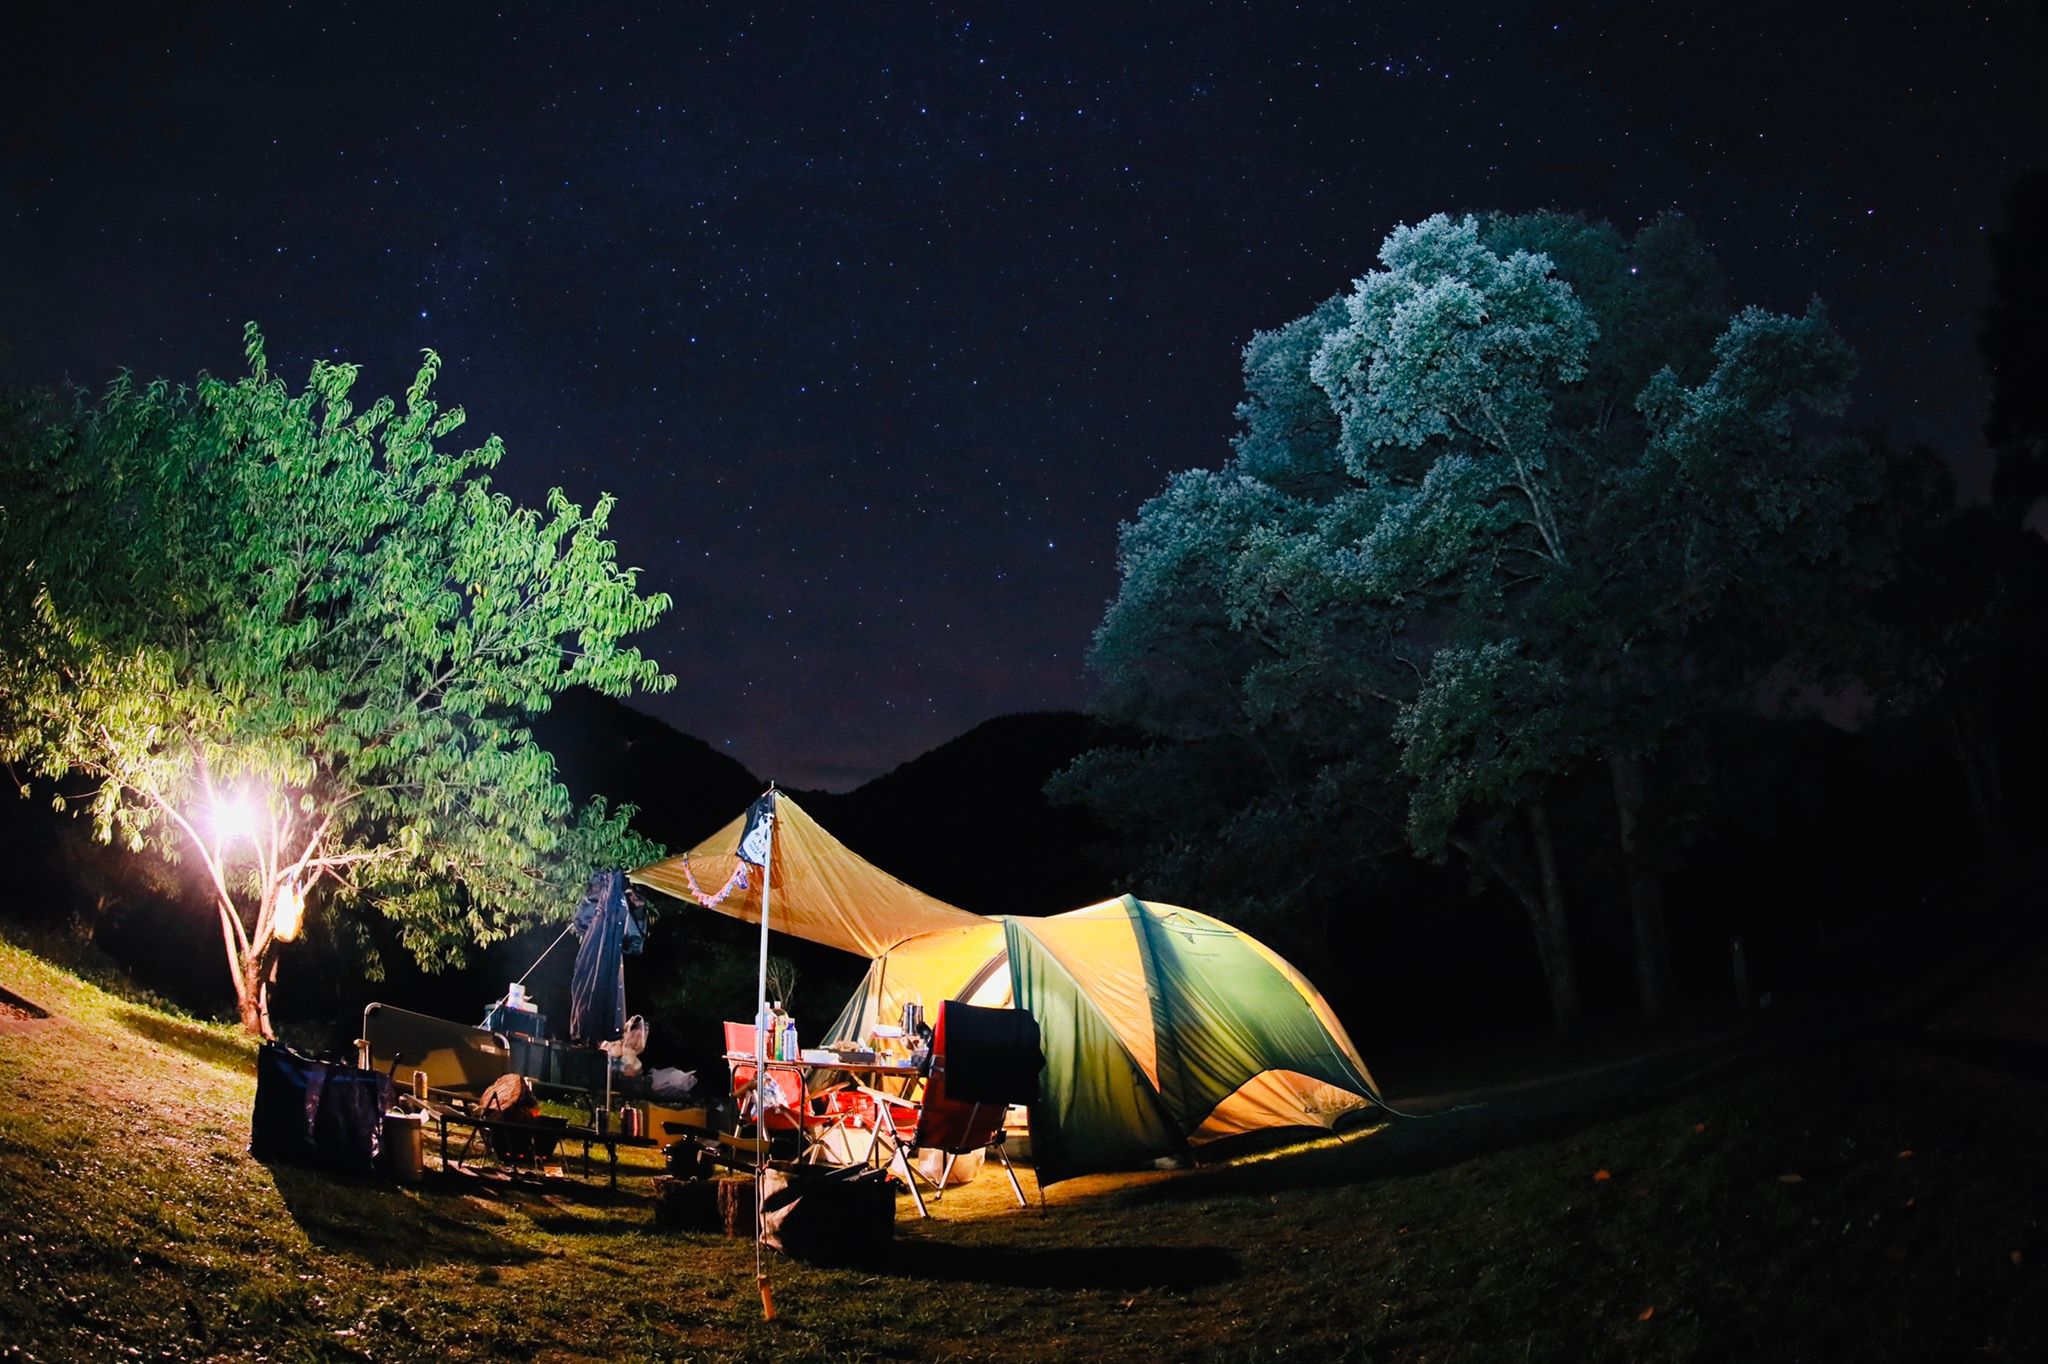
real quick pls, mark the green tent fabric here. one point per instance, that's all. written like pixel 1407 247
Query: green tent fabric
pixel 1095 1109
pixel 1225 1014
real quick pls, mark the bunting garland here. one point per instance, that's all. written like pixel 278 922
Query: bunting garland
pixel 737 881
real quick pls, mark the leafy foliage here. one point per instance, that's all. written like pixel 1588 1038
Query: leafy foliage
pixel 238 592
pixel 1526 496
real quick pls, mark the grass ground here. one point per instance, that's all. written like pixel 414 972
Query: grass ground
pixel 1870 1200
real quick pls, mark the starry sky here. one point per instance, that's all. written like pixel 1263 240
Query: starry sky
pixel 880 319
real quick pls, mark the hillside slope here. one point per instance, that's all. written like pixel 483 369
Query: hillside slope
pixel 1872 1201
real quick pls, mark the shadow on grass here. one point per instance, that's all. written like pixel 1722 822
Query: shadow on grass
pixel 27 1007
pixel 1417 1146
pixel 229 1053
pixel 2024 1060
pixel 389 1227
pixel 569 1224
pixel 1067 1267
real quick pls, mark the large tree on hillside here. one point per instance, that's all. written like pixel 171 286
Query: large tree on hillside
pixel 300 642
pixel 1524 499
pixel 1963 642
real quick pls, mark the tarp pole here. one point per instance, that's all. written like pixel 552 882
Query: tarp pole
pixel 761 1078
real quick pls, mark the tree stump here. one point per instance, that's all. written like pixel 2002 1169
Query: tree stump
pixel 688 1204
pixel 735 1204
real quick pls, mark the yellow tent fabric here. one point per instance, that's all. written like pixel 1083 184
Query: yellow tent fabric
pixel 956 963
pixel 820 890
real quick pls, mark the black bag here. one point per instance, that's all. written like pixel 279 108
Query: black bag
pixel 828 1215
pixel 317 1113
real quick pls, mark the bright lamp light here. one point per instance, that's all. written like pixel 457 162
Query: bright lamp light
pixel 233 818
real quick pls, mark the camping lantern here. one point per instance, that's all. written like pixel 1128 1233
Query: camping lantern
pixel 291 911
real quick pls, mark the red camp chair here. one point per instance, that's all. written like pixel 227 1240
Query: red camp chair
pixel 782 1093
pixel 856 1124
pixel 783 1090
pixel 990 1060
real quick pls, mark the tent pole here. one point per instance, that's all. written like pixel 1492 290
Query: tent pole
pixel 881 985
pixel 761 1076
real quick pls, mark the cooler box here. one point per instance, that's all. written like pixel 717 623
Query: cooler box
pixel 660 1116
pixel 516 1022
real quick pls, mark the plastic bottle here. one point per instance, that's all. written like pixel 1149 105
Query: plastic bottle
pixel 774 1039
pixel 790 1050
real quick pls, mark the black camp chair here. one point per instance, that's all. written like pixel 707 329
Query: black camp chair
pixel 526 1142
pixel 983 1060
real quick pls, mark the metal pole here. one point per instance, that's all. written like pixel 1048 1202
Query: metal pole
pixel 761 1075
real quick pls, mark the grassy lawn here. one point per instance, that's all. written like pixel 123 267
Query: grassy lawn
pixel 1872 1201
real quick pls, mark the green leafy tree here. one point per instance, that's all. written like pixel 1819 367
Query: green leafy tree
pixel 1526 498
pixel 300 642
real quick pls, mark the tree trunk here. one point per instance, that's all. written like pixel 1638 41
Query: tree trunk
pixel 1645 893
pixel 1980 776
pixel 252 968
pixel 267 972
pixel 231 940
pixel 252 994
pixel 1546 918
pixel 1544 904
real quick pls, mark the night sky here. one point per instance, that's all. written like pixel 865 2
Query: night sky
pixel 881 320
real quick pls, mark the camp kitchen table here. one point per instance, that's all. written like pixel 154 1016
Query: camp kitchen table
pixel 875 1070
pixel 444 1114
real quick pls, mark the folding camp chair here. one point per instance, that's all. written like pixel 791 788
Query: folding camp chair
pixel 983 1060
pixel 513 1128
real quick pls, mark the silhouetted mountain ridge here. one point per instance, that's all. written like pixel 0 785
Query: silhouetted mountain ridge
pixel 967 822
pixel 683 787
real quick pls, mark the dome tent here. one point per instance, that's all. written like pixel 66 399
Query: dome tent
pixel 1164 1029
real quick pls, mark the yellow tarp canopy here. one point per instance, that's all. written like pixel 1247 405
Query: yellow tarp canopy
pixel 819 889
